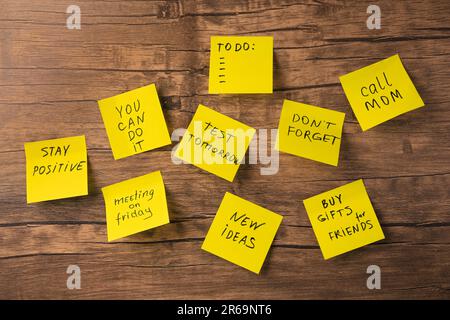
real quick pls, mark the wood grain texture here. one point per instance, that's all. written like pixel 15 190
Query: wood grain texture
pixel 51 78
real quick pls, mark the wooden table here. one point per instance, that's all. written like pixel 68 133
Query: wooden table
pixel 52 77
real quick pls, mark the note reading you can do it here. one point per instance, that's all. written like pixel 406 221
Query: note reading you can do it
pixel 56 169
pixel 310 132
pixel 241 65
pixel 343 219
pixel 214 142
pixel 134 122
pixel 135 205
pixel 242 232
pixel 380 92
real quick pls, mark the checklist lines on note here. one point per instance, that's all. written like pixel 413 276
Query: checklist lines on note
pixel 222 70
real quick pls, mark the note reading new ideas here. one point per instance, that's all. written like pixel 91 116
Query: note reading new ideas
pixel 242 232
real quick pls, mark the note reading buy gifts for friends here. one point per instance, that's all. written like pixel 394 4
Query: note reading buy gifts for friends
pixel 214 142
pixel 242 232
pixel 135 205
pixel 310 132
pixel 343 219
pixel 241 65
pixel 134 122
pixel 380 92
pixel 56 169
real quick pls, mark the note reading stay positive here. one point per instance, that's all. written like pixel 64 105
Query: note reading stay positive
pixel 56 169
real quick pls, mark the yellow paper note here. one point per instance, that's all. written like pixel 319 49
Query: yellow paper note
pixel 135 205
pixel 310 132
pixel 56 169
pixel 214 142
pixel 343 219
pixel 242 232
pixel 380 92
pixel 241 65
pixel 134 122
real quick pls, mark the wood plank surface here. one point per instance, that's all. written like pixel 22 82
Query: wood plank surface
pixel 52 77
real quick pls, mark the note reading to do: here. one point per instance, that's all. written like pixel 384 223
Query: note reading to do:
pixel 56 169
pixel 242 232
pixel 343 219
pixel 134 122
pixel 214 142
pixel 380 92
pixel 310 132
pixel 135 205
pixel 241 64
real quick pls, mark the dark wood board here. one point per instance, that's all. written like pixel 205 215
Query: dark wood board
pixel 52 77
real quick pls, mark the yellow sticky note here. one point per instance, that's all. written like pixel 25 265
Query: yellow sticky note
pixel 134 122
pixel 380 92
pixel 343 219
pixel 310 132
pixel 135 205
pixel 56 169
pixel 241 65
pixel 214 142
pixel 242 232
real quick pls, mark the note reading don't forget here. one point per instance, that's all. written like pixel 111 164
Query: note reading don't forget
pixel 310 132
